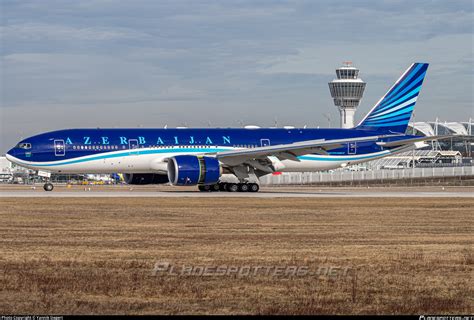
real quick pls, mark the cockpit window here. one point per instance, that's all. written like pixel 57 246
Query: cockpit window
pixel 24 145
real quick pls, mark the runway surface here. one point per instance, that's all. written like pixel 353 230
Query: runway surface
pixel 352 193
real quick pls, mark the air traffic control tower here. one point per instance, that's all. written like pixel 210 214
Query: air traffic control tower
pixel 347 90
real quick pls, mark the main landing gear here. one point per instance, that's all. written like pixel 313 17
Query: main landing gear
pixel 230 187
pixel 48 186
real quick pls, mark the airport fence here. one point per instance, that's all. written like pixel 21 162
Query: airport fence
pixel 339 176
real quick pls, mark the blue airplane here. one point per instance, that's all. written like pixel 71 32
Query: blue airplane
pixel 204 156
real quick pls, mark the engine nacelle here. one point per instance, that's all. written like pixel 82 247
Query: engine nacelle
pixel 145 178
pixel 191 170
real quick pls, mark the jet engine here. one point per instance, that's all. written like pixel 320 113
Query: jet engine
pixel 145 178
pixel 188 170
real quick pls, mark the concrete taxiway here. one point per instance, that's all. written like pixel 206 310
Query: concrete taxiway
pixel 264 193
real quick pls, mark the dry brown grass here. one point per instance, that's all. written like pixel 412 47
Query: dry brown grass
pixel 82 256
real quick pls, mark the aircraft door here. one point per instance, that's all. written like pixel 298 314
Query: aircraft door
pixel 352 148
pixel 132 145
pixel 265 142
pixel 59 148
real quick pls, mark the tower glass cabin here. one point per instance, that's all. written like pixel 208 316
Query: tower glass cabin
pixel 347 90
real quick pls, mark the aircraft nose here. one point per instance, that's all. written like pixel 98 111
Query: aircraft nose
pixel 10 154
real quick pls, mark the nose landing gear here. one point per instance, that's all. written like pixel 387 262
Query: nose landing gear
pixel 48 186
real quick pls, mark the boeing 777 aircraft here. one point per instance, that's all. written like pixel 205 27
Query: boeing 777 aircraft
pixel 201 156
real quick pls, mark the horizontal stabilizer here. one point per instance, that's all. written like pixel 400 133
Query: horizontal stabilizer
pixel 401 142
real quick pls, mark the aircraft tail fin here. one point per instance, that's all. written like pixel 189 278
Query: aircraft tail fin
pixel 394 110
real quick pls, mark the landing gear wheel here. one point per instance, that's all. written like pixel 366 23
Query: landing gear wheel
pixel 232 187
pixel 244 187
pixel 223 186
pixel 215 187
pixel 48 186
pixel 254 187
pixel 204 188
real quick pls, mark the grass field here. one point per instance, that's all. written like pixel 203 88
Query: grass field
pixel 97 255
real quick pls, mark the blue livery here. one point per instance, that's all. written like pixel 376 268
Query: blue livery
pixel 393 112
pixel 207 157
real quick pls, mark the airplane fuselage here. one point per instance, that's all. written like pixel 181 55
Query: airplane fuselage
pixel 145 150
pixel 184 156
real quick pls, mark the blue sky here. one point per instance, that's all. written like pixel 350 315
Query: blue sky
pixel 109 63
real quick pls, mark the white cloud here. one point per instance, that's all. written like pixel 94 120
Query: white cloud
pixel 444 52
pixel 151 61
pixel 68 79
pixel 55 32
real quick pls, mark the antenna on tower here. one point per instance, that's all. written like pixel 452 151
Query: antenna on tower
pixel 328 118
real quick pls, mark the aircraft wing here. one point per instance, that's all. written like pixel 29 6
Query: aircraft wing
pixel 259 157
pixel 286 151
